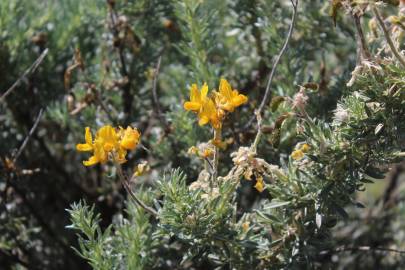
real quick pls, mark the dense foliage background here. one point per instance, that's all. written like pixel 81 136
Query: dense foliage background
pixel 127 62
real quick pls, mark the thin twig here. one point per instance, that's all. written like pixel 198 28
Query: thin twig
pixel 154 93
pixel 138 201
pixel 126 95
pixel 275 64
pixel 32 130
pixel 362 248
pixel 388 37
pixel 105 109
pixel 209 163
pixel 259 133
pixel 28 72
pixel 127 187
pixel 361 41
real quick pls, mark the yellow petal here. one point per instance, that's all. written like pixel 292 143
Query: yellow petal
pixel 84 147
pixel 259 185
pixel 239 100
pixel 204 91
pixel 91 161
pixel 207 153
pixel 209 107
pixel 225 89
pixel 88 137
pixel 305 148
pixel 130 138
pixel 228 107
pixel 194 94
pixel 297 154
pixel 100 153
pixel 108 134
pixel 108 147
pixel 203 120
pixel 192 106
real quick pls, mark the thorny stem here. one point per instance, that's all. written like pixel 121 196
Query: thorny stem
pixel 127 187
pixel 388 37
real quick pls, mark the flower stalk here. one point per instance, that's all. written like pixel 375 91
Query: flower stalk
pixel 217 138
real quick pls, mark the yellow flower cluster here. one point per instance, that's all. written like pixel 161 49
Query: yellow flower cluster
pixel 213 109
pixel 300 152
pixel 109 143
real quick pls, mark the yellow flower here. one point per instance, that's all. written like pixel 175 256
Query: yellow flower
pixel 108 143
pixel 227 98
pixel 305 148
pixel 107 138
pixel 88 146
pixel 197 98
pixel 207 153
pixel 203 106
pixel 129 138
pixel 209 114
pixel 297 154
pixel 259 184
pixel 300 152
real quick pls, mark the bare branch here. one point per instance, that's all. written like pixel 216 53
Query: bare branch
pixel 275 64
pixel 125 183
pixel 31 132
pixel 388 37
pixel 139 201
pixel 126 94
pixel 27 73
pixel 363 51
pixel 362 248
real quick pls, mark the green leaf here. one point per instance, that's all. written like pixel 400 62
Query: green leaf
pixel 275 204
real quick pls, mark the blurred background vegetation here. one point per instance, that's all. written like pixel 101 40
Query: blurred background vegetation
pixel 99 68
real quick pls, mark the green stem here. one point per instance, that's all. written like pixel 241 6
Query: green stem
pixel 217 138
